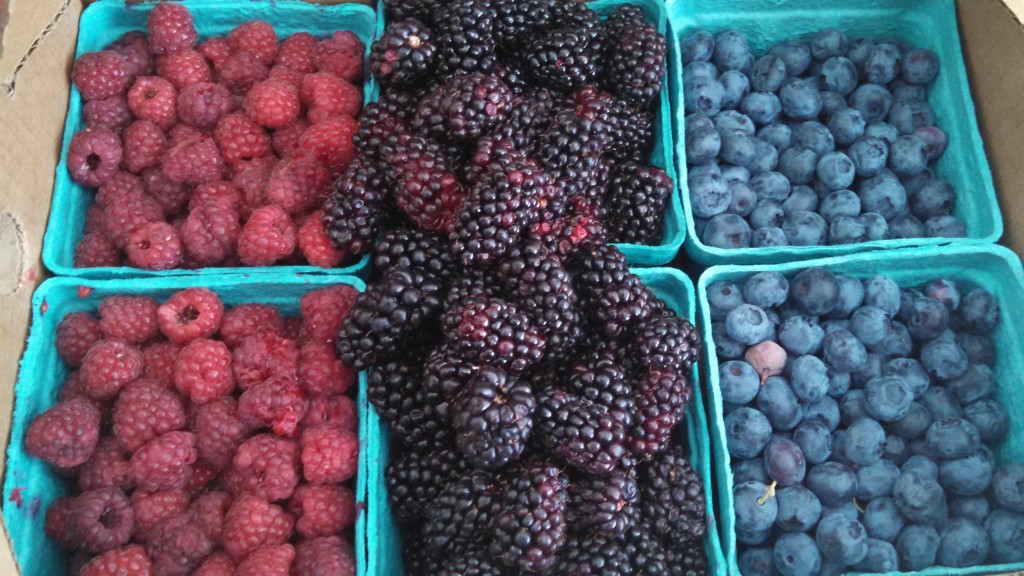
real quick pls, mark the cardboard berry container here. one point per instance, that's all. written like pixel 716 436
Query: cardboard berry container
pixel 383 534
pixel 107 20
pixel 928 24
pixel 993 268
pixel 31 485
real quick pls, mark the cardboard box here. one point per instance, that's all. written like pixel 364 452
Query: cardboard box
pixel 37 40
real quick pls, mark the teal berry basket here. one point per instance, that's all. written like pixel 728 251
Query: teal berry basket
pixel 107 20
pixel 30 485
pixel 925 23
pixel 383 536
pixel 993 268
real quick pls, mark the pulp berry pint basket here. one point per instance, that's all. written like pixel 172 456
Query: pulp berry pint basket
pixel 31 485
pixel 926 24
pixel 383 534
pixel 104 21
pixel 993 268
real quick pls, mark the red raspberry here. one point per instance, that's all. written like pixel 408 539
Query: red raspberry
pixel 144 146
pixel 170 29
pixel 322 509
pixel 203 371
pixel 182 132
pixel 316 245
pixel 293 330
pixel 107 468
pixel 155 246
pixel 325 310
pixel 94 156
pixel 320 371
pixel 178 545
pixel 189 314
pixel 57 525
pixel 327 556
pixel 94 217
pixel 202 475
pixel 155 99
pixel 184 68
pixel 335 411
pixel 268 466
pixel 330 142
pixel 210 509
pixel 217 51
pixel 245 320
pixel 108 366
pixel 341 55
pixel 134 48
pixel 239 138
pixel 202 104
pixel 129 213
pixel 257 38
pixel 268 561
pixel 158 362
pixel 241 71
pixel 329 455
pixel 99 75
pixel 223 193
pixel 273 104
pixel 216 564
pixel 76 333
pixel 268 236
pixel 102 519
pixel 251 178
pixel 298 184
pixel 95 250
pixel 122 184
pixel 145 411
pixel 194 161
pixel 120 562
pixel 219 431
pixel 73 387
pixel 110 113
pixel 288 76
pixel 164 463
pixel 152 508
pixel 286 139
pixel 131 319
pixel 278 404
pixel 171 196
pixel 252 523
pixel 210 232
pixel 328 96
pixel 296 52
pixel 262 356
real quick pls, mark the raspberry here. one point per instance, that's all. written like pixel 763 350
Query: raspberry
pixel 108 366
pixel 210 509
pixel 95 250
pixel 241 71
pixel 325 310
pixel 251 179
pixel 286 139
pixel 170 196
pixel 189 314
pixel 328 556
pixel 158 362
pixel 239 138
pixel 248 319
pixel 287 76
pixel 144 145
pixel 341 55
pixel 210 232
pixel 122 184
pixel 278 404
pixel 94 218
pixel 222 192
pixel 216 564
pixel 255 37
pixel 316 245
pixel 182 132
pixel 268 466
pixel 155 99
pixel 194 161
pixel 144 411
pixel 164 463
pixel 293 329
pixel 170 29
pixel 263 356
pixel 134 48
pixel 322 509
pixel 252 522
pixel 320 371
pixel 219 431
pixel 330 142
pixel 108 467
pixel 131 319
pixel 57 525
pixel 203 371
pixel 202 104
pixel 178 545
pixel 268 561
pixel 184 68
pixel 273 104
pixel 298 184
pixel 327 96
pixel 268 236
pixel 329 455
pixel 94 156
pixel 334 411
pixel 217 51
pixel 72 387
pixel 76 333
pixel 102 519
pixel 66 434
pixel 155 246
pixel 129 213
pixel 296 52
pixel 110 113
pixel 99 75
pixel 119 562
pixel 152 508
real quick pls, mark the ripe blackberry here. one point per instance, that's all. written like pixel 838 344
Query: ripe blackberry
pixel 492 418
pixel 464 31
pixel 598 377
pixel 577 229
pixel 617 298
pixel 562 59
pixel 594 556
pixel 424 186
pixel 528 117
pixel 460 516
pixel 687 558
pixel 403 9
pixel 472 564
pixel 392 385
pixel 530 527
pixel 471 283
pixel 571 150
pixel 515 77
pixel 634 67
pixel 387 315
pixel 354 210
pixel 516 21
pixel 647 555
pixel 580 18
pixel 493 332
pixel 464 108
pixel 493 154
pixel 672 497
pixel 654 420
pixel 667 341
pixel 406 247
pixel 401 102
pixel 585 435
pixel 626 15
pixel 604 505
pixel 377 127
pixel 444 376
pixel 414 479
pixel 417 558
pixel 404 54
pixel 635 203
pixel 630 132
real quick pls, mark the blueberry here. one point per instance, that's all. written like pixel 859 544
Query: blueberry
pixel 945 291
pixel 835 170
pixel 888 398
pixel 979 311
pixel 805 229
pixel 765 159
pixel 762 107
pixel 974 507
pixel 952 438
pixel 903 90
pixel 970 476
pixel 1008 486
pixel 754 513
pixel 1006 530
pixel 833 483
pixel 735 174
pixel 814 440
pixel 778 135
pixel 801 335
pixel 709 195
pixel 809 377
pixel 737 149
pixel 963 543
pixel 753 537
pixel 872 101
pixel 975 384
pixel 872 369
pixel 921 465
pixel 875 227
pixel 767 74
pixel 913 424
pixel 935 140
pixel 770 186
pixel 844 352
pixel 945 227
pixel 800 198
pixel 699 224
pixel 733 123
pixel 735 86
pixel 920 66
pixel 795 55
pixel 871 325
pixel 702 139
pixel 815 136
pixel 876 480
pixel 846 125
pixel 883 194
pixel 751 469
pixel 698 69
pixel 722 297
pixel 824 411
pixel 833 324
pixel 846 509
pixel 926 318
pixel 860 49
pixel 738 382
pixel 839 74
pixel 944 359
pixel 784 461
pixel 910 114
pixel 747 432
pixel 796 554
pixel 850 295
pixel 706 169
pixel 756 561
pixel 869 155
pixel 896 450
pixel 882 292
pixel 727 231
pixel 779 404
pixel 883 131
pixel 840 203
pixel 766 289
pixel 941 404
pixel 767 213
pixel 748 324
pixel 842 539
pixel 898 343
pixel 989 417
pixel 831 101
pixel 864 442
pixel 852 406
pixel 883 520
pixel 920 499
pixel 917 546
pixel 908 156
pixel 800 98
pixel 881 557
pixel 698 46
pixel 769 236
pixel 815 291
pixel 829 42
pixel 906 226
pixel 883 63
pixel 838 383
pixel 725 347
pixel 732 51
pixel 798 164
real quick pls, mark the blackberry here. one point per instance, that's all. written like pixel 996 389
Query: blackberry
pixel 530 527
pixel 604 505
pixel 629 132
pixel 668 342
pixel 594 556
pixel 376 127
pixel 579 228
pixel 516 21
pixel 672 497
pixel 465 36
pixel 527 119
pixel 464 108
pixel 494 332
pixel 562 59
pixel 687 558
pixel 669 388
pixel 355 208
pixel 417 558
pixel 388 315
pixel 581 19
pixel 598 377
pixel 400 101
pixel 404 54
pixel 405 247
pixel 492 418
pixel 634 68
pixel 424 186
pixel 414 479
pixel 585 435
pixel 646 553
pixel 654 420
pixel 635 203
pixel 459 519
pixel 571 150
pixel 392 386
pixel 616 297
pixel 472 564
pixel 423 427
pixel 625 16
pixel 444 376
pixel 403 9
pixel 470 284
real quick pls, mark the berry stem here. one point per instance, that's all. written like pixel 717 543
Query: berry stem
pixel 769 492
